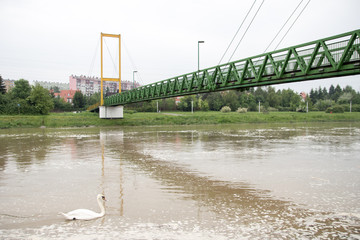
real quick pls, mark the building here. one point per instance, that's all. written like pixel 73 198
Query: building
pixel 52 85
pixel 91 85
pixel 67 95
pixel 9 84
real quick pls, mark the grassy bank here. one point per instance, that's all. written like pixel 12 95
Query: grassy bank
pixel 87 119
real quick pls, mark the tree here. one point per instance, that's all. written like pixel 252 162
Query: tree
pixel 247 100
pixel 203 105
pixel 331 92
pixel 215 101
pixel 2 86
pixel 260 94
pixel 338 92
pixel 79 100
pixel 93 99
pixel 40 99
pixel 313 96
pixel 231 99
pixel 346 97
pixel 272 98
pixel 56 89
pixel 21 90
pixel 325 93
pixel 61 105
pixel 167 104
pixel 185 103
pixel 295 102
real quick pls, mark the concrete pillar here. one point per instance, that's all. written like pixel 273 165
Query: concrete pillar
pixel 111 111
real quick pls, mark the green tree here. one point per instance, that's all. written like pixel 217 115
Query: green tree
pixel 272 98
pixel 290 100
pixel 185 103
pixel 167 104
pixel 2 86
pixel 295 102
pixel 313 96
pixel 79 100
pixel 61 105
pixel 322 105
pixel 203 105
pixel 21 89
pixel 215 101
pixel 56 89
pixel 260 94
pixel 92 99
pixel 346 97
pixel 40 99
pixel 331 92
pixel 338 92
pixel 231 99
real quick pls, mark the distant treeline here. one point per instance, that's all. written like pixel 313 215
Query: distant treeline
pixel 24 99
pixel 268 98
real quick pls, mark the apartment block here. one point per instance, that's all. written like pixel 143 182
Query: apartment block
pixel 90 85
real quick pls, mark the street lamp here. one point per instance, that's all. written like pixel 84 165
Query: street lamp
pixel 134 78
pixel 199 54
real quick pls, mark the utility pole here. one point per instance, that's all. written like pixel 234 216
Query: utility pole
pixel 134 78
pixel 259 106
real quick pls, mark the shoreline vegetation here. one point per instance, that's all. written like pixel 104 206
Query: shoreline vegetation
pixel 88 119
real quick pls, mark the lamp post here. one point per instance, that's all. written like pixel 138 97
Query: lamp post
pixel 199 54
pixel 259 106
pixel 134 78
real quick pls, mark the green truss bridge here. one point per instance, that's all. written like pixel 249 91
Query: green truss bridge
pixel 334 56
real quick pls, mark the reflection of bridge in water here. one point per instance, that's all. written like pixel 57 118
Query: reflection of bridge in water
pixel 334 56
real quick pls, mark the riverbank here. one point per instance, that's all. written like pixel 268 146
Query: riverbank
pixel 87 119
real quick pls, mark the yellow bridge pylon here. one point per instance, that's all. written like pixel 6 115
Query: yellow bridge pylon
pixel 102 74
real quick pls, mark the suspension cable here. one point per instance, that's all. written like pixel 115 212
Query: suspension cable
pixel 292 25
pixel 115 69
pixel 283 26
pixel 237 32
pixel 246 30
pixel 280 30
pixel 133 64
pixel 94 57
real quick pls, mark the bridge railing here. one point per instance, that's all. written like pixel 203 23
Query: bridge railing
pixel 330 57
pixel 93 107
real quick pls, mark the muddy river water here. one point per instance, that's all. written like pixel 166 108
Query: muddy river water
pixel 245 181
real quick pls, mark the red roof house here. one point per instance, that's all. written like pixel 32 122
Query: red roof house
pixel 67 95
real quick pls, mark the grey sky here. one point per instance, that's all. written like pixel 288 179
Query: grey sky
pixel 50 40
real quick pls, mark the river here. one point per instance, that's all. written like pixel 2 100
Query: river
pixel 248 181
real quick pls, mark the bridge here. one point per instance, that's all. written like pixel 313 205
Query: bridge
pixel 334 56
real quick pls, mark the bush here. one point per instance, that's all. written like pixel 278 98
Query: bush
pixel 272 109
pixel 323 105
pixel 241 110
pixel 130 111
pixel 335 109
pixel 225 109
pixel 285 109
pixel 355 108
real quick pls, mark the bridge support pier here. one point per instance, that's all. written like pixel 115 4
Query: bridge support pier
pixel 111 111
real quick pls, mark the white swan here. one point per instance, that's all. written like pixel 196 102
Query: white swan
pixel 85 214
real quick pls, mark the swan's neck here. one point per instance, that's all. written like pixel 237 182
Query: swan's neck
pixel 102 207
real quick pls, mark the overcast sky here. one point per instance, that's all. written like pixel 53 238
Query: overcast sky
pixel 51 40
